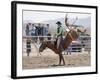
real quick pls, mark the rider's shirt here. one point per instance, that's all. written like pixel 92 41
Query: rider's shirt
pixel 59 31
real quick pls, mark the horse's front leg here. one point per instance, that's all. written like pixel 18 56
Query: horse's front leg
pixel 63 60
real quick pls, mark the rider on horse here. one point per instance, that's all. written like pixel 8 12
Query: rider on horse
pixel 59 33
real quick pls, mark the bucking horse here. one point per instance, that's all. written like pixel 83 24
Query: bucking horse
pixel 70 36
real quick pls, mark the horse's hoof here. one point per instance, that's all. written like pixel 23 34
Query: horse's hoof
pixel 59 64
pixel 69 64
pixel 53 65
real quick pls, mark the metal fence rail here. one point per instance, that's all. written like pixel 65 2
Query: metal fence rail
pixel 76 48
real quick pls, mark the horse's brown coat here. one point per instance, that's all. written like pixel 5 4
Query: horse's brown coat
pixel 65 43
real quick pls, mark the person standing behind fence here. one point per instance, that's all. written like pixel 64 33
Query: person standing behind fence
pixel 28 46
pixel 27 30
pixel 33 33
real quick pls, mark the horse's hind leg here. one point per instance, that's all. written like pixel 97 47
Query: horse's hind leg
pixel 59 59
pixel 62 58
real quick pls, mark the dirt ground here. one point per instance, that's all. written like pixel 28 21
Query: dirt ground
pixel 49 61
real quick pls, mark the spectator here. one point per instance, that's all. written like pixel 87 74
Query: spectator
pixel 28 46
pixel 27 30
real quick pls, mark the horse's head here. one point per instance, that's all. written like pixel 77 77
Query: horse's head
pixel 42 46
pixel 80 31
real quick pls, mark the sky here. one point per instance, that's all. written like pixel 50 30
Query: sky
pixel 40 16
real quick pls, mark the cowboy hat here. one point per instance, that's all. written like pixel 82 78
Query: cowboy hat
pixel 58 22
